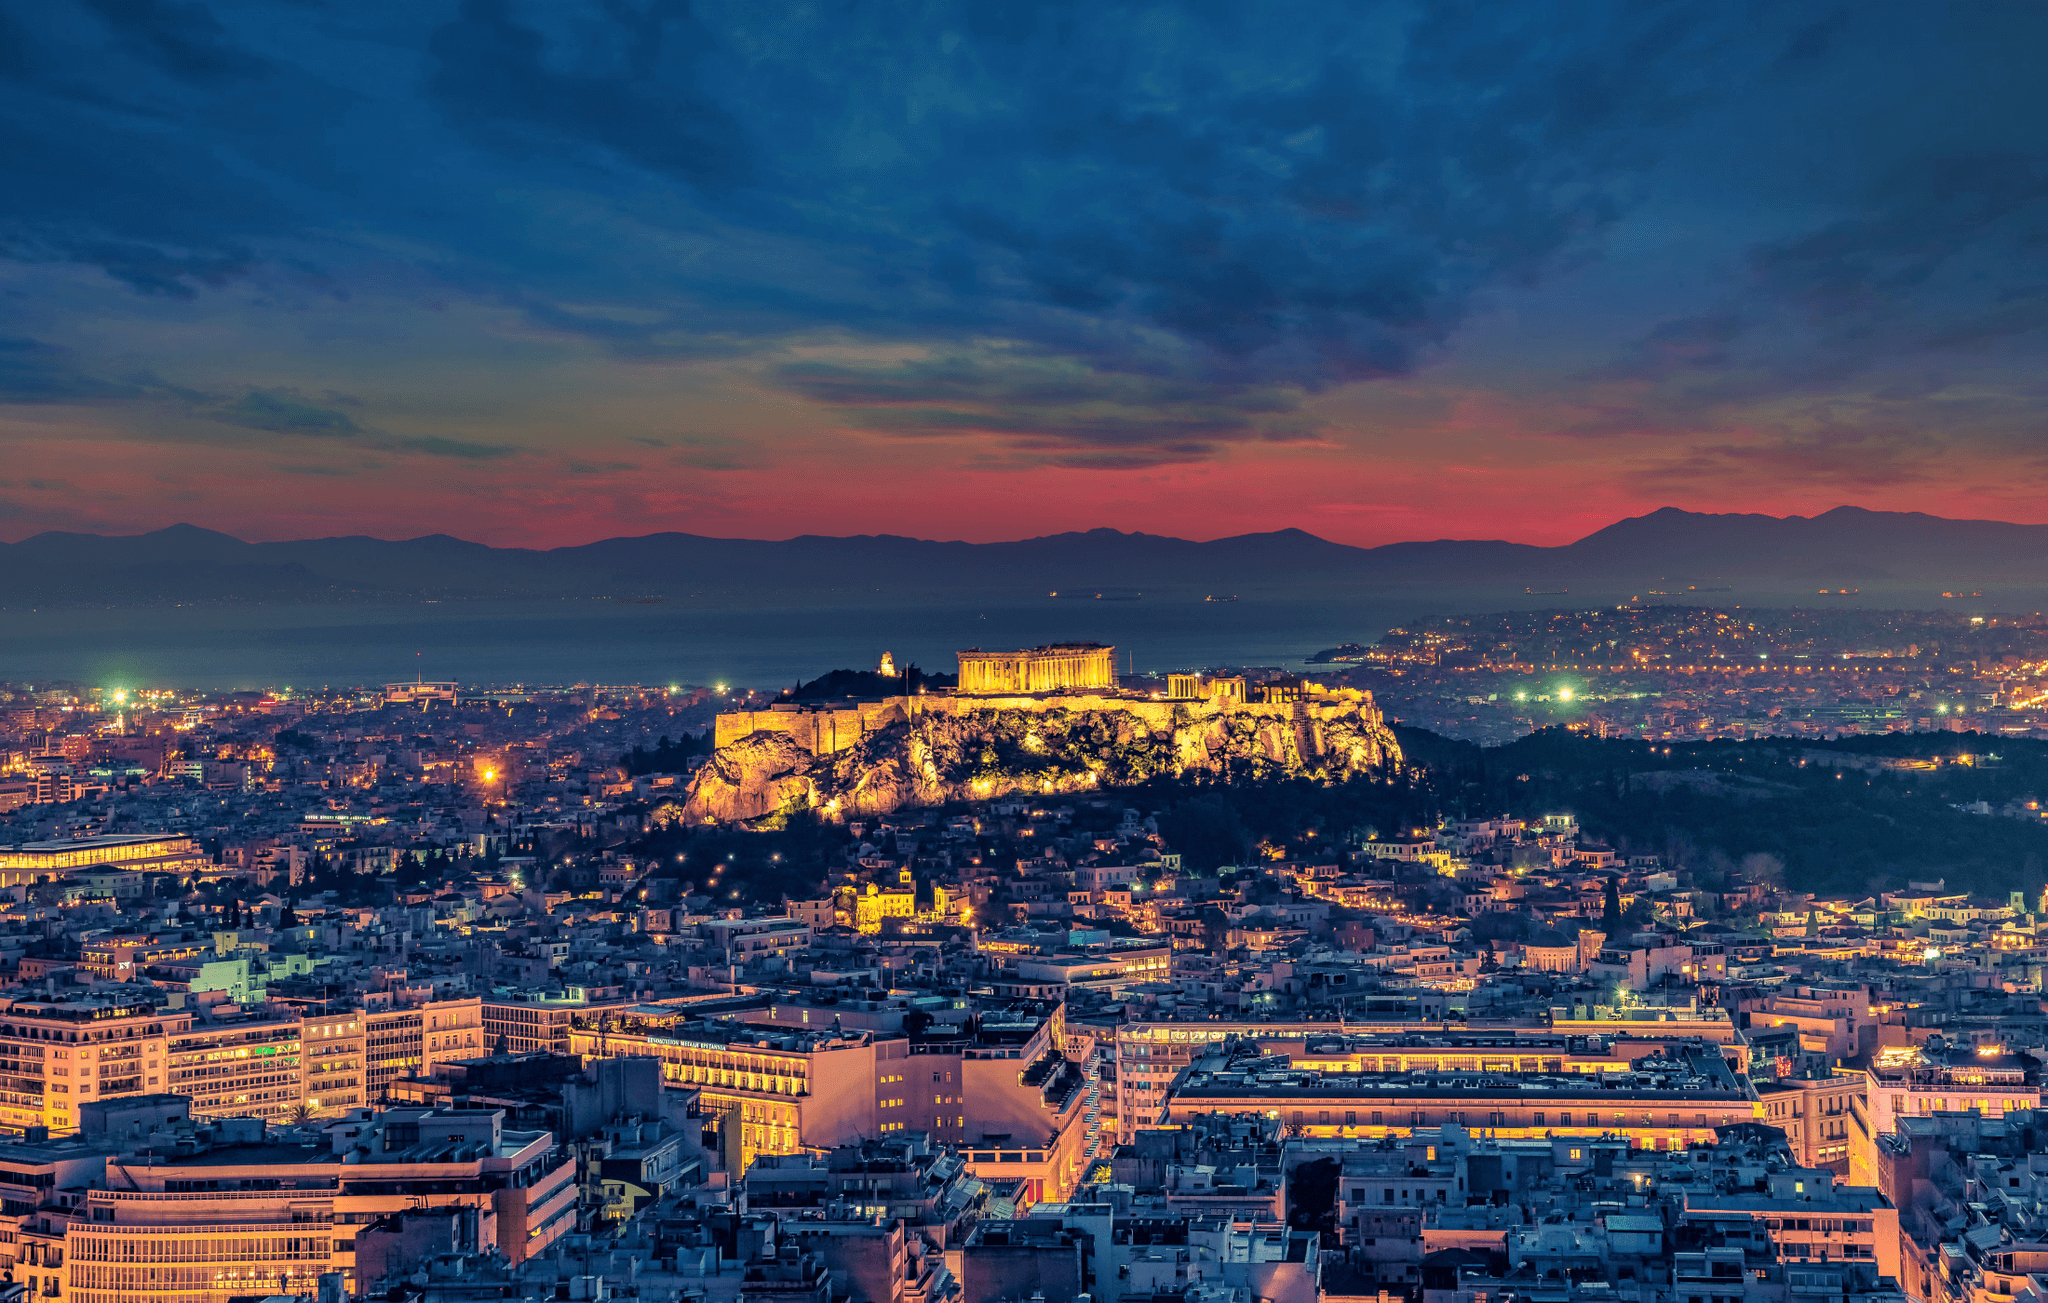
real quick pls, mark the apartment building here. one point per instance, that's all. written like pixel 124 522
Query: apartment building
pixel 1817 1115
pixel 1113 969
pixel 409 1040
pixel 1811 1219
pixel 331 1051
pixel 1938 1077
pixel 120 958
pixel 538 1022
pixel 60 1052
pixel 784 1090
pixel 237 1066
pixel 1005 1094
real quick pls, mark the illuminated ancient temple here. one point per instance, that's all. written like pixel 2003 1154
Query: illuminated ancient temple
pixel 1058 667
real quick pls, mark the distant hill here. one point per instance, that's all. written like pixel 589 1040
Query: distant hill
pixel 1844 548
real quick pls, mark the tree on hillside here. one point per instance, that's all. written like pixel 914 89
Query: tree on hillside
pixel 1610 909
pixel 1208 833
pixel 1764 869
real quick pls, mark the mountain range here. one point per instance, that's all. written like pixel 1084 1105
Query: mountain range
pixel 1664 551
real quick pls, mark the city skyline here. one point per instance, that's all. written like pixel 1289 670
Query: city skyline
pixel 540 274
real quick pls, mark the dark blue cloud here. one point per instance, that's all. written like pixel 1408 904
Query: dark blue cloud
pixel 35 372
pixel 1127 235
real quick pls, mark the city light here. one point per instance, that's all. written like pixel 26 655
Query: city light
pixel 1564 694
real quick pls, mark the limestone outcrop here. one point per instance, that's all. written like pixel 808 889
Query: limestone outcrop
pixel 965 748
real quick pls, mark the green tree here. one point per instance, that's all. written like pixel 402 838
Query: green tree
pixel 1610 908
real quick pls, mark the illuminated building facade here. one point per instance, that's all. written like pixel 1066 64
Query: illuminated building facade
pixel 1666 1101
pixel 119 958
pixel 408 1041
pixel 1151 1054
pixel 237 1069
pixel 257 1219
pixel 782 1090
pixel 55 1054
pixel 1937 1078
pixel 1005 1091
pixel 421 693
pixel 1817 1115
pixel 536 1022
pixel 32 862
pixel 331 1061
pixel 1057 667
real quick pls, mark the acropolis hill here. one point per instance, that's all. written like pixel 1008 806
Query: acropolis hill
pixel 854 758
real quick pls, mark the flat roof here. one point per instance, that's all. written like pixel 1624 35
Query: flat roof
pixel 108 841
pixel 1601 1086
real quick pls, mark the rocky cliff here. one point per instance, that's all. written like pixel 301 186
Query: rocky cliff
pixel 969 749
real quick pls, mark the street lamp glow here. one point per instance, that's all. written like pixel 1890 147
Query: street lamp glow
pixel 1564 694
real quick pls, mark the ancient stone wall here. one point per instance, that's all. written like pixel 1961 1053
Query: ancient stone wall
pixel 944 748
pixel 820 732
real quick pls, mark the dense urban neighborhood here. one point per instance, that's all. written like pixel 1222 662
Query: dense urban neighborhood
pixel 429 993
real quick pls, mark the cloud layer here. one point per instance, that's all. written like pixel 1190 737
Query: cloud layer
pixel 633 264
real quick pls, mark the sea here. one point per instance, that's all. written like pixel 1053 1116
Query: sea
pixel 505 643
pixel 546 642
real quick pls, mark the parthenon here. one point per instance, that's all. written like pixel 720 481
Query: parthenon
pixel 1057 667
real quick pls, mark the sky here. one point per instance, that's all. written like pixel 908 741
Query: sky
pixel 536 272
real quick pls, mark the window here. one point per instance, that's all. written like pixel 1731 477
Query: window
pixel 1565 1120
